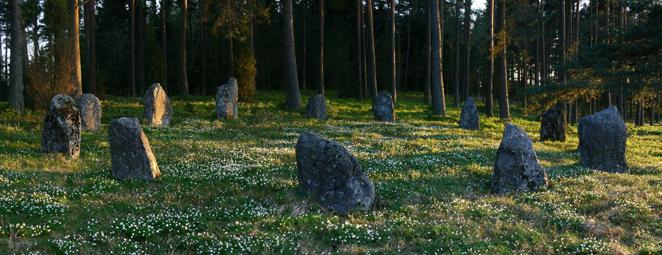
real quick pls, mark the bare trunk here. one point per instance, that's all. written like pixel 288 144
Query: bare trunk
pixel 428 53
pixel 458 28
pixel 251 38
pixel 183 76
pixel 394 80
pixel 467 45
pixel 359 46
pixel 372 66
pixel 90 27
pixel 562 42
pixel 132 46
pixel 203 45
pixel 504 108
pixel 164 42
pixel 76 77
pixel 140 46
pixel 438 98
pixel 320 86
pixel 16 85
pixel 304 48
pixel 490 83
pixel 292 98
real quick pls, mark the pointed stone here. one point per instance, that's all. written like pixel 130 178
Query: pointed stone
pixel 227 98
pixel 158 109
pixel 131 155
pixel 469 118
pixel 61 131
pixel 316 107
pixel 516 168
pixel 553 125
pixel 382 107
pixel 90 112
pixel 603 140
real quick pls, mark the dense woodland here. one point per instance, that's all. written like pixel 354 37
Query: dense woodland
pixel 584 55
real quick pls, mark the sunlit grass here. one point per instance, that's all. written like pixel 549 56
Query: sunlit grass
pixel 230 187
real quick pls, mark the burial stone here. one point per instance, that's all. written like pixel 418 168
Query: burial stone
pixel 602 141
pixel 316 107
pixel 90 112
pixel 553 125
pixel 227 97
pixel 158 109
pixel 131 155
pixel 331 175
pixel 469 118
pixel 516 168
pixel 382 107
pixel 61 131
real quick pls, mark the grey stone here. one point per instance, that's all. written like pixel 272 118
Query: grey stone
pixel 602 141
pixel 316 107
pixel 90 112
pixel 469 118
pixel 553 125
pixel 61 131
pixel 131 155
pixel 158 109
pixel 331 175
pixel 516 168
pixel 382 107
pixel 227 98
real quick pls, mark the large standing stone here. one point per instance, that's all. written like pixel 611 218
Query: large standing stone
pixel 61 132
pixel 316 107
pixel 469 118
pixel 602 141
pixel 227 97
pixel 382 107
pixel 90 112
pixel 516 168
pixel 130 152
pixel 158 109
pixel 331 175
pixel 553 125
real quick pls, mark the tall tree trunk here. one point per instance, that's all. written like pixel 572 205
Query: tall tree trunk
pixel 467 45
pixel 90 27
pixel 132 46
pixel 438 98
pixel 490 83
pixel 204 15
pixel 16 86
pixel 458 28
pixel 394 80
pixel 164 42
pixel 183 76
pixel 428 53
pixel 562 42
pixel 304 48
pixel 292 98
pixel 372 66
pixel 359 47
pixel 502 79
pixel 412 14
pixel 76 77
pixel 251 39
pixel 320 85
pixel 140 46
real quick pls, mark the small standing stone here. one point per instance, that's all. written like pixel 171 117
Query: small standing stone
pixel 158 109
pixel 331 175
pixel 90 112
pixel 516 168
pixel 316 107
pixel 602 141
pixel 382 107
pixel 227 97
pixel 553 125
pixel 61 131
pixel 469 118
pixel 130 152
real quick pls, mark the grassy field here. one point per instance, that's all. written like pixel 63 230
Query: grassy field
pixel 230 187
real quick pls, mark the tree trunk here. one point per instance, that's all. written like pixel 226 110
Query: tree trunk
pixel 320 85
pixel 490 83
pixel 140 46
pixel 90 27
pixel 132 46
pixel 428 52
pixel 76 77
pixel 502 79
pixel 359 46
pixel 467 45
pixel 183 76
pixel 164 42
pixel 406 71
pixel 304 48
pixel 372 66
pixel 438 99
pixel 292 98
pixel 16 86
pixel 458 28
pixel 394 80
pixel 251 39
pixel 203 44
pixel 562 42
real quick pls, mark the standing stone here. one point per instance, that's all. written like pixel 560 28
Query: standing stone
pixel 130 152
pixel 158 109
pixel 90 112
pixel 469 118
pixel 553 125
pixel 316 107
pixel 227 97
pixel 602 141
pixel 516 168
pixel 331 175
pixel 382 107
pixel 61 132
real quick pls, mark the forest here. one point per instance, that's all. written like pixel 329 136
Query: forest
pixel 330 126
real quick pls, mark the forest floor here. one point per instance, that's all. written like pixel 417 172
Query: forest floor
pixel 230 187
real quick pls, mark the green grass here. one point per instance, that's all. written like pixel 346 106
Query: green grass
pixel 229 187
